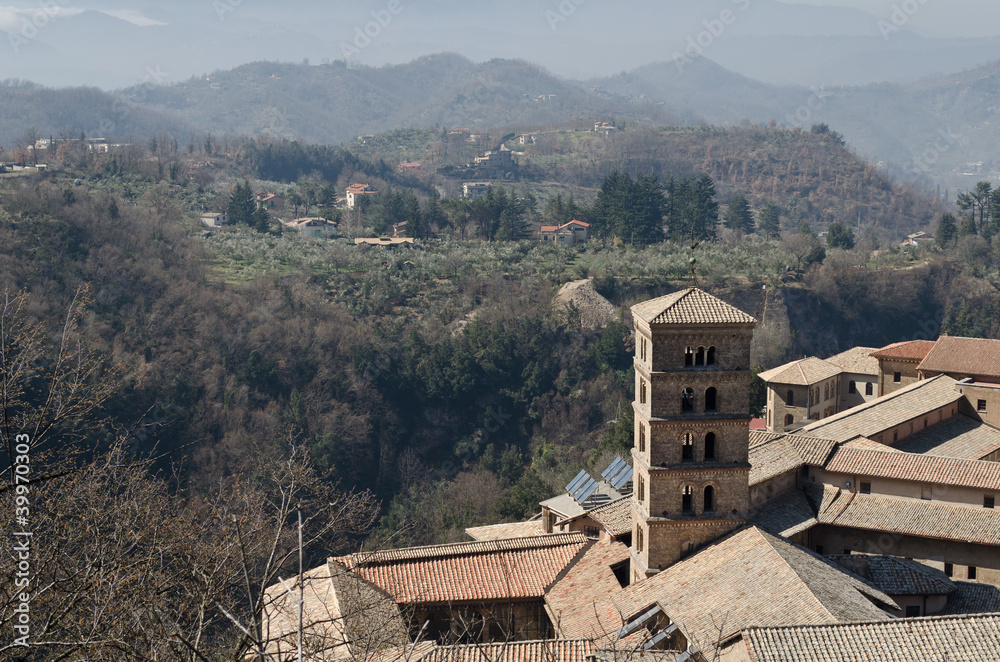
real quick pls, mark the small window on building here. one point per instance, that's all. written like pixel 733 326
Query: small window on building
pixel 866 488
pixel 689 357
pixel 638 539
pixel 710 446
pixel 869 389
pixel 687 502
pixel 687 400
pixel 897 377
pixel 980 405
pixel 710 357
pixel 592 532
pixel 711 399
pixel 687 450
pixel 789 419
pixel 641 491
pixel 912 611
pixel 642 391
pixel 642 438
pixel 972 572
pixel 852 386
pixel 699 358
pixel 988 502
pixel 949 570
pixel 790 398
pixel 709 499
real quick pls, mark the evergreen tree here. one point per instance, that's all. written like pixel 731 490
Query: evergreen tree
pixel 947 230
pixel 706 209
pixel 261 219
pixel 415 221
pixel 738 215
pixel 840 236
pixel 242 205
pixel 433 217
pixel 629 210
pixel 769 219
pixel 968 226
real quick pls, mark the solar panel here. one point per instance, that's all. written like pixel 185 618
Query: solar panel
pixel 613 468
pixel 623 477
pixel 575 484
pixel 588 489
pixel 582 488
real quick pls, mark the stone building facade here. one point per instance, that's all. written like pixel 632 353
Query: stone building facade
pixel 690 454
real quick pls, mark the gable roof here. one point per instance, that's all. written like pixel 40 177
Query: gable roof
pixel 775 453
pixel 690 306
pixel 968 638
pixel 550 650
pixel 518 568
pixel 527 529
pixel 926 519
pixel 896 576
pixel 915 468
pixel 974 598
pixel 910 350
pixel 857 360
pixel 777 583
pixel 958 436
pixel 963 356
pixel 589 580
pixel 786 514
pixel 615 517
pixel 801 373
pixel 888 411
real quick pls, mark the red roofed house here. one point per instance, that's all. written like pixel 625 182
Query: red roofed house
pixel 573 233
pixel 271 201
pixel 355 190
pixel 897 364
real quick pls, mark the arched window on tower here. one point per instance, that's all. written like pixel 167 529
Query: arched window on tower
pixel 642 438
pixel 710 357
pixel 687 547
pixel 642 391
pixel 710 446
pixel 699 358
pixel 689 357
pixel 711 399
pixel 687 399
pixel 687 504
pixel 790 398
pixel 709 499
pixel 687 448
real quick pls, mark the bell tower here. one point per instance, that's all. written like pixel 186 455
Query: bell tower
pixel 692 426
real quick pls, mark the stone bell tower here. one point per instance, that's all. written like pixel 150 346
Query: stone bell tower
pixel 692 426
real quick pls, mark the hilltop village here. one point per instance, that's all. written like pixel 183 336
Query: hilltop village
pixel 856 521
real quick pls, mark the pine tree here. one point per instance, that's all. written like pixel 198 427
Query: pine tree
pixel 738 215
pixel 769 219
pixel 415 221
pixel 261 219
pixel 947 230
pixel 840 236
pixel 242 205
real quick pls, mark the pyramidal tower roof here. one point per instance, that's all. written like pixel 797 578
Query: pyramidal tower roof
pixel 690 306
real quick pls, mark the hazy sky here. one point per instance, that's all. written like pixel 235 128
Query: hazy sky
pixel 952 18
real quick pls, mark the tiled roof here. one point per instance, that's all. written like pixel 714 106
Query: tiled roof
pixel 857 360
pixel 963 356
pixel 690 306
pixel 958 436
pixel 864 443
pixel 772 454
pixel 911 350
pixel 786 514
pixel 881 414
pixel 896 576
pixel 747 578
pixel 590 579
pixel 615 517
pixel 528 529
pixel 549 228
pixel 915 517
pixel 801 373
pixel 916 468
pixel 974 598
pixel 551 650
pixel 520 568
pixel 972 638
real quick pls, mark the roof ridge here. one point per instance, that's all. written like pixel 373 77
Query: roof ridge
pixel 853 411
pixel 896 622
pixel 466 548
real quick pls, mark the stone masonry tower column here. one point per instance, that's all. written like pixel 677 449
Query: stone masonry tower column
pixel 692 426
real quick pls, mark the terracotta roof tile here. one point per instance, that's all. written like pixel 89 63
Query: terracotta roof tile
pixel 551 650
pixel 857 360
pixel 802 372
pixel 772 454
pixel 528 529
pixel 786 514
pixel 881 414
pixel 911 350
pixel 974 598
pixel 971 638
pixel 590 578
pixel 916 468
pixel 963 356
pixel 519 568
pixel 958 436
pixel 926 519
pixel 896 576
pixel 615 517
pixel 690 306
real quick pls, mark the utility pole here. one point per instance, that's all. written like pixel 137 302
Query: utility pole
pixel 301 587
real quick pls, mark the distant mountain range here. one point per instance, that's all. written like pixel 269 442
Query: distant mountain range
pixel 940 129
